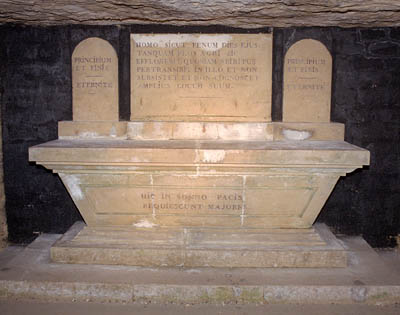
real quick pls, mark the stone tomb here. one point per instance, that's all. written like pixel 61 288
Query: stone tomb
pixel 200 176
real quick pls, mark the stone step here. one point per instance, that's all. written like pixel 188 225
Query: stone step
pixel 366 280
pixel 316 247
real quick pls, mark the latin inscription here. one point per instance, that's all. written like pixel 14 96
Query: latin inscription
pixel 94 73
pixel 197 69
pixel 194 201
pixel 201 75
pixel 307 69
pixel 169 201
pixel 94 81
pixel 307 82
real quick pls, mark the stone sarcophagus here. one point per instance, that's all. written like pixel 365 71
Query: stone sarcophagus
pixel 200 176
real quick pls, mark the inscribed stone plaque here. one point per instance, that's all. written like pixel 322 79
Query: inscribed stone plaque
pixel 94 81
pixel 198 201
pixel 307 82
pixel 208 77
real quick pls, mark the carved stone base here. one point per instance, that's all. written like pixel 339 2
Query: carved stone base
pixel 316 247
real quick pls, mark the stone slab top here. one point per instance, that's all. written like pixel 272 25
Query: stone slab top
pixel 207 152
pixel 203 144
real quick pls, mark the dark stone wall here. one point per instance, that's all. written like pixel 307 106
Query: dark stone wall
pixel 36 84
pixel 366 96
pixel 35 80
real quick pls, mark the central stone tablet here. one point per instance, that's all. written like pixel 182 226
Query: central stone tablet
pixel 201 77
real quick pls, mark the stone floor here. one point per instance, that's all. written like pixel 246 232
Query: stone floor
pixel 371 281
pixel 13 307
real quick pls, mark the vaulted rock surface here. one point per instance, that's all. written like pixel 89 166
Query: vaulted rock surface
pixel 236 13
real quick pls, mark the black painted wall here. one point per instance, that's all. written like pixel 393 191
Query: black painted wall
pixel 35 83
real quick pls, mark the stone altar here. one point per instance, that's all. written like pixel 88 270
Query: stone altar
pixel 200 176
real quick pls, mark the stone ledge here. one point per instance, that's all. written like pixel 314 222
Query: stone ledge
pixel 310 154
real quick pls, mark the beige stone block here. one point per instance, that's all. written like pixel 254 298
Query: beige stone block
pixel 307 82
pixel 105 179
pixel 73 185
pixel 131 220
pixel 109 256
pixel 118 200
pixel 200 220
pixel 199 181
pixel 275 181
pixel 252 238
pixel 266 221
pixel 270 259
pixel 165 130
pixel 92 129
pixel 201 77
pixel 170 200
pixel 200 131
pixel 278 201
pixel 94 81
pixel 325 186
pixel 308 131
pixel 164 220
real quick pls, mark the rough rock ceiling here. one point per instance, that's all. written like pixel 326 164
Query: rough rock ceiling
pixel 236 13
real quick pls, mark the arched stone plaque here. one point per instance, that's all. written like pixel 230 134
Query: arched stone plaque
pixel 94 81
pixel 307 82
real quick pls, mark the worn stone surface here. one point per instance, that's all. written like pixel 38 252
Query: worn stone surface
pixel 308 131
pixel 201 77
pixel 94 81
pixel 200 247
pixel 243 13
pixel 199 131
pixel 307 83
pixel 92 130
